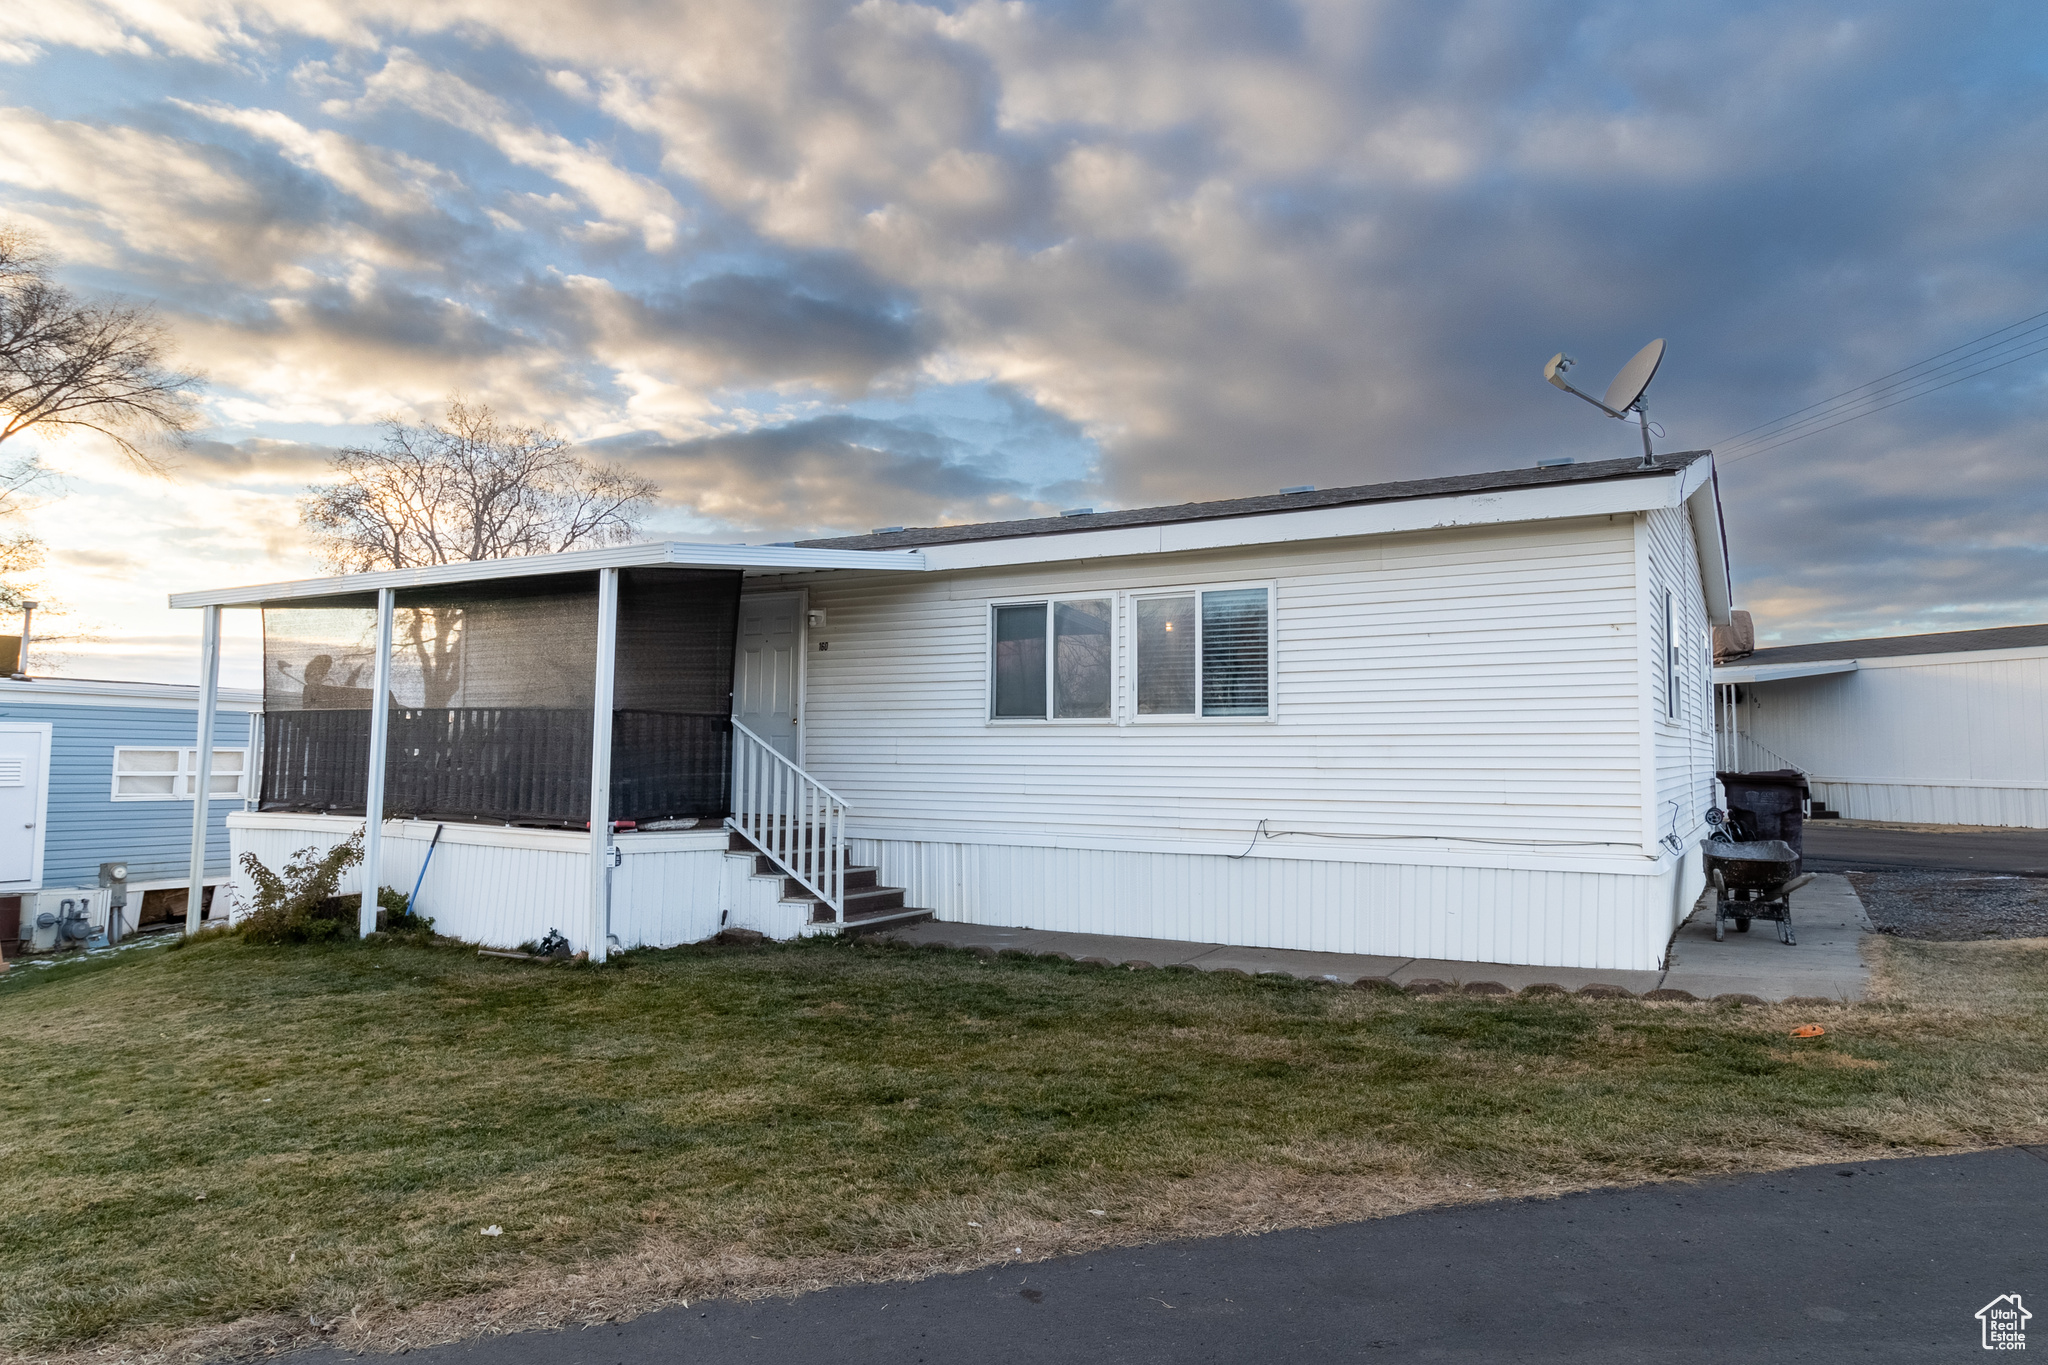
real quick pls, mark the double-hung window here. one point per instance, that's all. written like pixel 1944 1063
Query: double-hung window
pixel 172 774
pixel 1204 653
pixel 1053 660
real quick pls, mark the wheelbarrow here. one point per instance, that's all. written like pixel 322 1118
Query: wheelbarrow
pixel 1753 880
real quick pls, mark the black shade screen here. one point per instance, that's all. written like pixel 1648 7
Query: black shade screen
pixel 492 687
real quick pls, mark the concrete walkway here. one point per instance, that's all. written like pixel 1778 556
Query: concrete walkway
pixel 1827 961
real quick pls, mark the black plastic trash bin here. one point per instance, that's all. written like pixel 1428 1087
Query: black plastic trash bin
pixel 1768 806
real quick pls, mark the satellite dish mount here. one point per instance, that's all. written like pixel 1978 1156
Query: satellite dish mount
pixel 1624 395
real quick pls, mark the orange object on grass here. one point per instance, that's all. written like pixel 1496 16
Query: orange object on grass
pixel 1808 1031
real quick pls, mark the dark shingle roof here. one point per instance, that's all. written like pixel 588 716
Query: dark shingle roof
pixel 1893 646
pixel 911 538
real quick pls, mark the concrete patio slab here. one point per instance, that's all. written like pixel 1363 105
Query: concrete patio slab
pixel 1827 961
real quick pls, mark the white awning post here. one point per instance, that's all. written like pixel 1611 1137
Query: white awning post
pixel 601 765
pixel 373 789
pixel 202 793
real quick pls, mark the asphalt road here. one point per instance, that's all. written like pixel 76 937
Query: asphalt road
pixel 1888 1261
pixel 1831 847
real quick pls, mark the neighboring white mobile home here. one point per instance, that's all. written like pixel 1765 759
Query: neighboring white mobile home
pixel 1459 718
pixel 1949 728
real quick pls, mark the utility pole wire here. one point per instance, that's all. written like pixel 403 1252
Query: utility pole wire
pixel 1938 372
pixel 1833 407
pixel 1894 403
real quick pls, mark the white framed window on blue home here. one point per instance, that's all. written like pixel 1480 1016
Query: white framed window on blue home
pixel 144 774
pixel 1053 659
pixel 1202 653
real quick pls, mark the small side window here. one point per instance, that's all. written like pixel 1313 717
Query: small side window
pixel 173 774
pixel 1671 661
pixel 147 774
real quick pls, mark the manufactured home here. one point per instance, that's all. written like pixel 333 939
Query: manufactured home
pixel 1948 728
pixel 1464 717
pixel 95 773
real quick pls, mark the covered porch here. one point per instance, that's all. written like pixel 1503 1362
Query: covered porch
pixel 562 724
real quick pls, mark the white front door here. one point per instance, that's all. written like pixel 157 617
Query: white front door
pixel 21 804
pixel 767 668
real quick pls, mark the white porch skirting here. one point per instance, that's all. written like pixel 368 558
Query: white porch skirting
pixel 501 887
pixel 2017 804
pixel 1613 920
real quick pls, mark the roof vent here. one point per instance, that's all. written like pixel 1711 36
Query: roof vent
pixel 1300 488
pixel 885 530
pixel 1553 461
pixel 1078 512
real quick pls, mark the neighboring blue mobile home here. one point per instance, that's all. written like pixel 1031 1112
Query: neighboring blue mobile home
pixel 94 772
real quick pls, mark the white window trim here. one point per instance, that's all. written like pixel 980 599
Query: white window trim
pixel 1050 601
pixel 187 772
pixel 1130 697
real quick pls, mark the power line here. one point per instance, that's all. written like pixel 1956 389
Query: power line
pixel 1881 378
pixel 1999 365
pixel 1911 381
pixel 1888 390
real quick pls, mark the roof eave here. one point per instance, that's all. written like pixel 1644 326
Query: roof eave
pixel 668 554
pixel 1549 502
pixel 1763 673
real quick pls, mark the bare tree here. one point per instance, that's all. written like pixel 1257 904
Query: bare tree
pixel 68 363
pixel 469 487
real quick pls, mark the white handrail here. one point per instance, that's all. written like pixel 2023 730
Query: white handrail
pixel 791 816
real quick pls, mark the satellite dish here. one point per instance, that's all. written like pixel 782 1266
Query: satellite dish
pixel 1624 396
pixel 1635 376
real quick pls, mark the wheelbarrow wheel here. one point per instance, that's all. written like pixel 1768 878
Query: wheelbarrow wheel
pixel 1741 924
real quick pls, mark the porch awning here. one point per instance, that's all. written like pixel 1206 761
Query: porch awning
pixel 1763 673
pixel 751 559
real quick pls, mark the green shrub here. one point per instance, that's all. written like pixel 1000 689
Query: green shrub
pixel 298 905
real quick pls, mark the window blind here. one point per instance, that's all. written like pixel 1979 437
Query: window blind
pixel 1234 652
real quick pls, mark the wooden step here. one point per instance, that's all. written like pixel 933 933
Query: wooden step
pixel 892 919
pixel 873 900
pixel 869 905
pixel 857 879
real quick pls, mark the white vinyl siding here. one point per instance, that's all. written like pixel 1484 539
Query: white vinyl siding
pixel 142 774
pixel 1682 707
pixel 1438 690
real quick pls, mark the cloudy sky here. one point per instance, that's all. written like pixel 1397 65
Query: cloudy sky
pixel 822 267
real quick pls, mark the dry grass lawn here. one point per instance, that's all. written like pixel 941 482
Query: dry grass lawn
pixel 225 1148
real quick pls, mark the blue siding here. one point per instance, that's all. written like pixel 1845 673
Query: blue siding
pixel 86 826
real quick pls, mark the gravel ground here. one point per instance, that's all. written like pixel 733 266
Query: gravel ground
pixel 1954 905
